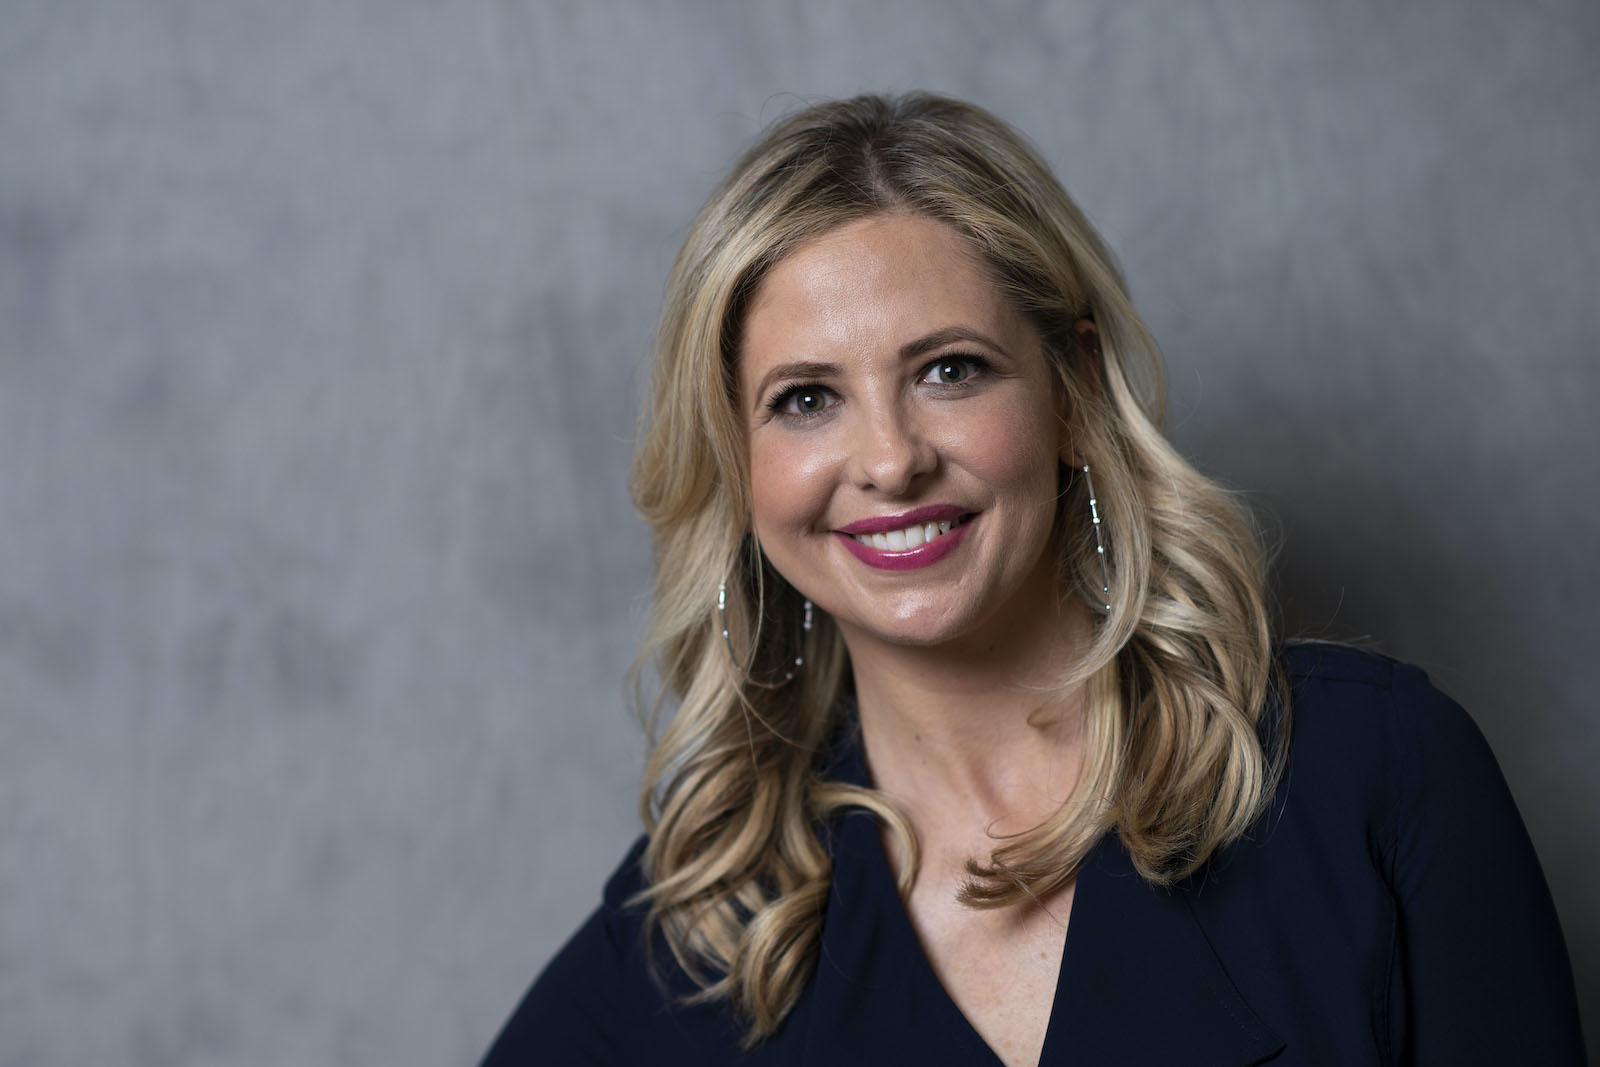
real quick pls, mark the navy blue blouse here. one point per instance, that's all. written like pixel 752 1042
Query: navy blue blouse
pixel 1388 909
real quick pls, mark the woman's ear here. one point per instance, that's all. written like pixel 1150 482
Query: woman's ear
pixel 1088 336
pixel 1084 365
pixel 1070 435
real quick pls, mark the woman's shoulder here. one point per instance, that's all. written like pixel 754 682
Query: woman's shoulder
pixel 1344 673
pixel 1377 762
pixel 1347 702
pixel 1372 735
pixel 626 882
pixel 614 993
pixel 1393 811
pixel 622 912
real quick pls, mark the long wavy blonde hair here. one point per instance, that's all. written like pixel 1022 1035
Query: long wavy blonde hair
pixel 1179 669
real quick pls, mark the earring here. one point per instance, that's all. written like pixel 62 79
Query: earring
pixel 1099 540
pixel 722 615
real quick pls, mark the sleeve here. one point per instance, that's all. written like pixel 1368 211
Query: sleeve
pixel 1487 977
pixel 572 1014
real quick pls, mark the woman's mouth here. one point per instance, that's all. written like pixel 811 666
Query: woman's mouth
pixel 929 536
pixel 910 537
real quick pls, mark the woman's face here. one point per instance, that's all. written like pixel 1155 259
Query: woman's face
pixel 904 435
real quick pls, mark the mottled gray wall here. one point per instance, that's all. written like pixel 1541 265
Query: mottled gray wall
pixel 321 331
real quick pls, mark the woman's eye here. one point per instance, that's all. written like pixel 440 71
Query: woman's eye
pixel 809 400
pixel 802 400
pixel 951 371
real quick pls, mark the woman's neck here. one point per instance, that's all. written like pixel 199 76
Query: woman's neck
pixel 974 732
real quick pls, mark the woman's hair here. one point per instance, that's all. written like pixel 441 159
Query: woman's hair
pixel 1179 669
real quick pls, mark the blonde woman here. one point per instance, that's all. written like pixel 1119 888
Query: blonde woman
pixel 976 743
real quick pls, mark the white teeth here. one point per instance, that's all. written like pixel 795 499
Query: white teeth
pixel 908 538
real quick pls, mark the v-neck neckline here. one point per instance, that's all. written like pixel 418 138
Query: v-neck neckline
pixel 1138 982
pixel 893 911
pixel 861 825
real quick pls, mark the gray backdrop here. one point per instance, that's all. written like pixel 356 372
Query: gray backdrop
pixel 322 328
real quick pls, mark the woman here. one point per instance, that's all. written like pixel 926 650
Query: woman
pixel 983 747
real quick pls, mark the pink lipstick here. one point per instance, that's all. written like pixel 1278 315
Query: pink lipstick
pixel 912 539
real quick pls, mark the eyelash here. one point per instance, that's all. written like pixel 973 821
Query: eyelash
pixel 976 367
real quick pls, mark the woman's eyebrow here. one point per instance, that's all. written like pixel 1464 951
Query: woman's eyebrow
pixel 947 335
pixel 801 369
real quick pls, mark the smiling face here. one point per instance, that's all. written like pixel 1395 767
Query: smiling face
pixel 904 436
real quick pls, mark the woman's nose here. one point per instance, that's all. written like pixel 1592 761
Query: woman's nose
pixel 891 450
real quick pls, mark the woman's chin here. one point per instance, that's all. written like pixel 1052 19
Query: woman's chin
pixel 920 629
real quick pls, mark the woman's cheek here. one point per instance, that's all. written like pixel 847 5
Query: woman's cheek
pixel 1008 449
pixel 791 485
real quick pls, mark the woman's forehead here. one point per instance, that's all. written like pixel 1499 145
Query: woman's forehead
pixel 874 281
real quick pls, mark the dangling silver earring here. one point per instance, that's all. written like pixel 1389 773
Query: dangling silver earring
pixel 722 616
pixel 1099 540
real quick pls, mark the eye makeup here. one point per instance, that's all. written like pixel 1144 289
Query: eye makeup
pixel 805 400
